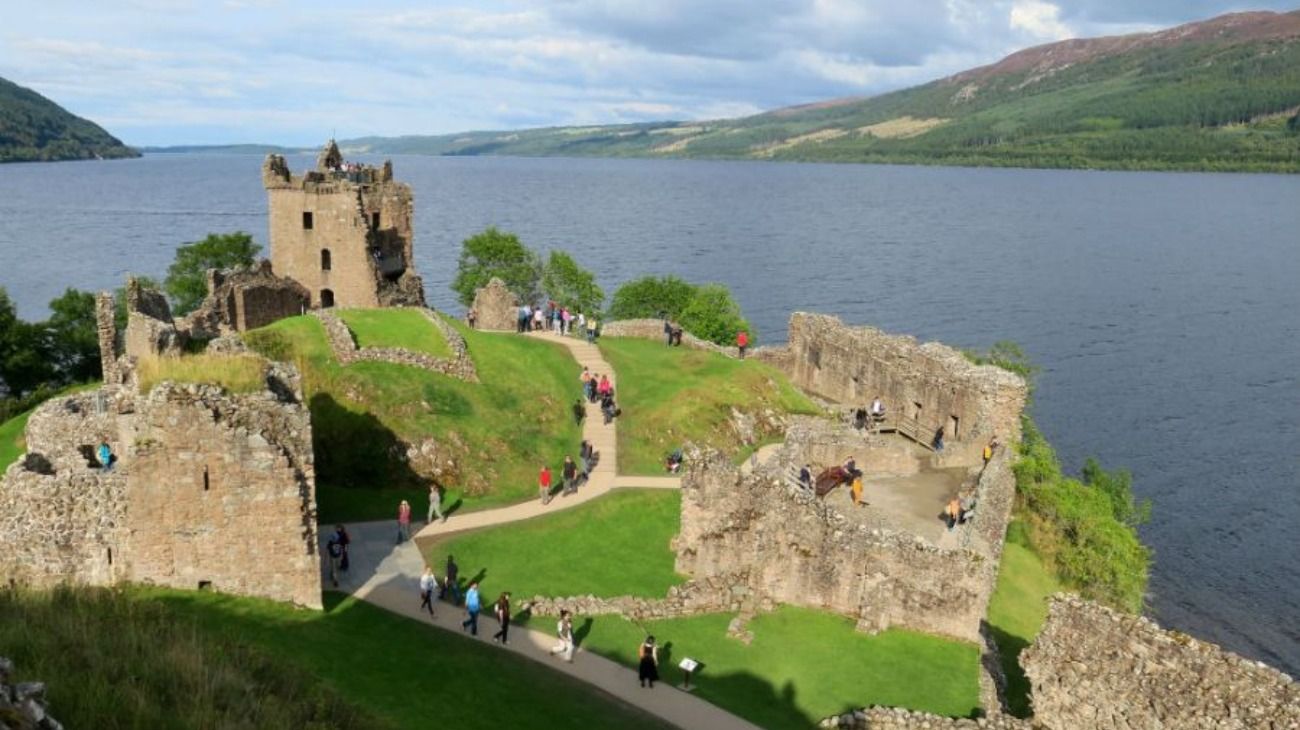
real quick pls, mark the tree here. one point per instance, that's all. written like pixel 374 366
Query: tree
pixel 651 296
pixel 570 285
pixel 187 282
pixel 713 315
pixel 496 253
pixel 73 336
pixel 25 361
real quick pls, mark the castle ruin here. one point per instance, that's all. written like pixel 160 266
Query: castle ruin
pixel 343 231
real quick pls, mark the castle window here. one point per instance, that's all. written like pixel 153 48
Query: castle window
pixel 374 220
pixel 306 220
pixel 326 298
pixel 206 483
pixel 324 259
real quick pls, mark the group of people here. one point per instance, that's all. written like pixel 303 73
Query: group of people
pixel 336 549
pixel 559 318
pixel 868 418
pixel 596 388
pixel 572 473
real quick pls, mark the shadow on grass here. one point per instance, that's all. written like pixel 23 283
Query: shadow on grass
pixel 353 450
pixel 1017 693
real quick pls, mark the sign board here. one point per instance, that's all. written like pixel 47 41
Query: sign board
pixel 688 665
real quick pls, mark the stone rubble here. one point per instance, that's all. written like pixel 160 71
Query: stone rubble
pixel 23 705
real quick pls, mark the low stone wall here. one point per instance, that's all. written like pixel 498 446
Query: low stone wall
pixel 346 351
pixel 711 595
pixel 496 307
pixel 792 548
pixel 653 329
pixel 1092 667
pixel 23 705
pixel 894 718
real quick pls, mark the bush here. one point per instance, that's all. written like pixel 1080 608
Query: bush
pixel 651 297
pixel 496 253
pixel 187 277
pixel 714 316
pixel 707 311
pixel 570 285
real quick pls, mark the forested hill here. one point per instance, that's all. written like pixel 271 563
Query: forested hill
pixel 33 128
pixel 1221 94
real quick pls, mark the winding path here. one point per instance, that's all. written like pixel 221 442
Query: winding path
pixel 388 576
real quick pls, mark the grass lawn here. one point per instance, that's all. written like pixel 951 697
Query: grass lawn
pixel 1017 611
pixel 234 373
pixel 12 443
pixel 491 436
pixel 390 671
pixel 671 395
pixel 802 666
pixel 395 328
pixel 617 545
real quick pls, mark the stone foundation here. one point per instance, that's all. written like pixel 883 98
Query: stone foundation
pixel 346 351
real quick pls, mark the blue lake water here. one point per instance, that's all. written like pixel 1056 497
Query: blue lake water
pixel 1164 309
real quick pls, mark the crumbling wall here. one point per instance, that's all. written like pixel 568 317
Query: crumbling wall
pixel 1092 667
pixel 496 307
pixel 896 718
pixel 242 299
pixel 460 365
pixel 150 330
pixel 795 549
pixel 23 705
pixel 930 384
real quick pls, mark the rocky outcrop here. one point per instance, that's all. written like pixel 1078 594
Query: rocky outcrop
pixel 460 365
pixel 1092 667
pixel 496 307
pixel 23 705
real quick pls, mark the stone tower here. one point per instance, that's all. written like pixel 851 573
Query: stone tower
pixel 343 231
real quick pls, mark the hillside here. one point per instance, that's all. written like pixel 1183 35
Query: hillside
pixel 35 129
pixel 1221 94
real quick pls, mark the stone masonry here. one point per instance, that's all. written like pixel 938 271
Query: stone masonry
pixel 343 231
pixel 1092 667
pixel 246 298
pixel 346 351
pixel 22 705
pixel 496 306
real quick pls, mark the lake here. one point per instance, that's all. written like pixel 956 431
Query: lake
pixel 1163 308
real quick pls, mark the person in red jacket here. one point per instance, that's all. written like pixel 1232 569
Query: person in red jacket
pixel 544 484
pixel 742 341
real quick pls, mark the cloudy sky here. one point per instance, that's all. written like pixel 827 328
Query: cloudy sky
pixel 213 71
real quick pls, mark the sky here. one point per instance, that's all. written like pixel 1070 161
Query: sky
pixel 159 72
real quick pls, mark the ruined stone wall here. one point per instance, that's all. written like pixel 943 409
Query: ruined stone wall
pixel 895 718
pixel 150 329
pixel 23 705
pixel 795 549
pixel 246 298
pixel 344 346
pixel 931 383
pixel 1092 667
pixel 106 331
pixel 496 306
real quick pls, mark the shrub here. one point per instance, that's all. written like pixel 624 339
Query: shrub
pixel 570 285
pixel 707 311
pixel 496 253
pixel 187 279
pixel 651 296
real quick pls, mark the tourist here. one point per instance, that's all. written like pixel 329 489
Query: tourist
pixel 591 388
pixel 451 582
pixel 471 609
pixel 471 318
pixel 851 467
pixel 968 503
pixel 564 636
pixel 584 377
pixel 428 584
pixel 608 408
pixel 569 473
pixel 668 333
pixel 857 491
pixel 605 387
pixel 937 442
pixel 591 328
pixel 334 548
pixel 742 342
pixel 952 513
pixel 105 456
pixel 988 450
pixel 860 418
pixel 579 412
pixel 648 666
pixel 538 319
pixel 525 316
pixel 582 324
pixel 566 321
pixel 403 522
pixel 877 409
pixel 344 539
pixel 677 335
pixel 544 484
pixel 587 457
pixel 435 504
pixel 805 478
pixel 674 461
pixel 502 609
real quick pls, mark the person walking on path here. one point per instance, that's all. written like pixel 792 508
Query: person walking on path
pixel 334 548
pixel 435 504
pixel 471 317
pixel 648 667
pixel 742 341
pixel 451 583
pixel 544 484
pixel 502 609
pixel 428 585
pixel 341 535
pixel 472 608
pixel 584 378
pixel 105 456
pixel 564 636
pixel 591 329
pixel 403 522
pixel 605 387
pixel 570 475
pixel 579 412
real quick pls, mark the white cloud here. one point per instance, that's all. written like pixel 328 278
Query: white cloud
pixel 1041 20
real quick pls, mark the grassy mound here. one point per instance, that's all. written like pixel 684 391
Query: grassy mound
pixel 235 373
pixel 488 439
pixel 614 546
pixel 12 442
pixel 1017 611
pixel 803 664
pixel 182 659
pixel 395 328
pixel 670 395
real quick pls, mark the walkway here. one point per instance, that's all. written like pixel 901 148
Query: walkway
pixel 388 576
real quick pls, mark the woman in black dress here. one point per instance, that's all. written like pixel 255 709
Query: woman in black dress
pixel 648 670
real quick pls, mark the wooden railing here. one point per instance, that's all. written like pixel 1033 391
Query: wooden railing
pixel 910 427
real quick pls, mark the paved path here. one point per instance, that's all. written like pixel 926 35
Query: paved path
pixel 387 576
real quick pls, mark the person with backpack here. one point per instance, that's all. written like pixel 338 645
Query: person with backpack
pixel 569 473
pixel 334 549
pixel 564 636
pixel 742 342
pixel 502 609
pixel 451 584
pixel 648 662
pixel 472 608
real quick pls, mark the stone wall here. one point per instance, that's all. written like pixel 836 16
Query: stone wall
pixel 150 329
pixel 894 718
pixel 344 345
pixel 1092 667
pixel 793 548
pixel 653 329
pixel 496 307
pixel 208 489
pixel 22 704
pixel 930 384
pixel 242 299
pixel 710 595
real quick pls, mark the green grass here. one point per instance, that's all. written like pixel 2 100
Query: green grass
pixel 396 671
pixel 670 395
pixel 1017 612
pixel 395 328
pixel 802 666
pixel 12 443
pixel 617 545
pixel 492 436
